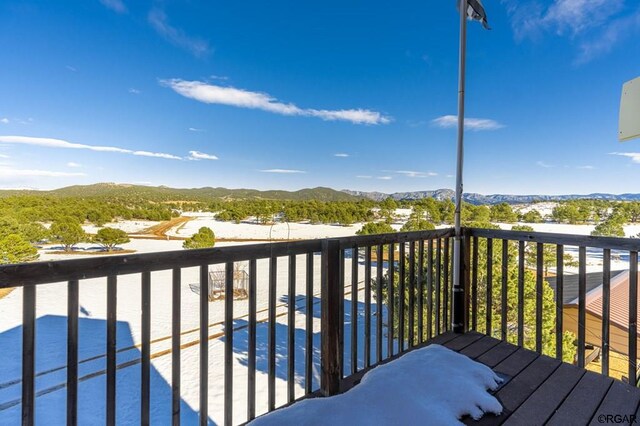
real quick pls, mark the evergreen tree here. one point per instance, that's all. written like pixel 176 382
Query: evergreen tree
pixel 532 216
pixel 204 238
pixel 417 222
pixel 15 249
pixel 612 227
pixel 68 232
pixel 503 213
pixel 110 237
pixel 372 228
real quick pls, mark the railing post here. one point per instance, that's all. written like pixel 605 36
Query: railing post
pixel 458 304
pixel 466 274
pixel 330 318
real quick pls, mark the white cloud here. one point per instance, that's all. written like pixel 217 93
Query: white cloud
pixel 414 174
pixel 59 143
pixel 384 177
pixel 195 129
pixel 615 31
pixel 573 17
pixel 341 155
pixel 115 5
pixel 72 164
pixel 226 95
pixel 283 171
pixel 585 167
pixel 134 91
pixel 6 120
pixel 544 165
pixel 450 176
pixel 158 20
pixel 70 68
pixel 635 156
pixel 451 121
pixel 4 156
pixel 9 172
pixel 596 26
pixel 364 177
pixel 197 155
pixel 577 16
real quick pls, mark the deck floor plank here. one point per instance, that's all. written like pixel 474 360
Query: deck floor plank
pixel 542 403
pixel 511 366
pixel 441 339
pixel 539 389
pixel 479 347
pixel 621 399
pixel 582 402
pixel 463 341
pixel 497 354
pixel 516 362
pixel 526 382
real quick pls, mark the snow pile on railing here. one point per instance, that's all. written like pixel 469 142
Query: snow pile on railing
pixel 433 385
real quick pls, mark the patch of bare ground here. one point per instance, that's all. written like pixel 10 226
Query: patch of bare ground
pixel 5 292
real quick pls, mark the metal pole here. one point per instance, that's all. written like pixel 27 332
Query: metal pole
pixel 458 288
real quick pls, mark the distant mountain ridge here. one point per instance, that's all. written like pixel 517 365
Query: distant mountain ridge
pixel 475 198
pixel 164 193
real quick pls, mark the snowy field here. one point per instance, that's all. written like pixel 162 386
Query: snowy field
pixel 561 228
pixel 51 347
pixel 128 226
pixel 619 259
pixel 251 230
pixel 545 209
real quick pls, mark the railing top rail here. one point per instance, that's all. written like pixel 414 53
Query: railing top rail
pixel 396 237
pixel 628 244
pixel 95 267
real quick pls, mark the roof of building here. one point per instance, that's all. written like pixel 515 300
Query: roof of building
pixel 619 301
pixel 570 285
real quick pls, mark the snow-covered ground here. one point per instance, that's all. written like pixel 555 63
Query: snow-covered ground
pixel 410 393
pixel 139 245
pixel 545 209
pixel 279 231
pixel 51 346
pixel 561 228
pixel 128 226
pixel 619 259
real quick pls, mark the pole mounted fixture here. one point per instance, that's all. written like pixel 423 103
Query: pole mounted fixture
pixel 630 111
pixel 474 10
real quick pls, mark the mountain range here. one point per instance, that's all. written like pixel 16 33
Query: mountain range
pixel 475 198
pixel 319 193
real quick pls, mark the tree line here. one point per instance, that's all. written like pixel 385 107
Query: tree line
pixel 22 216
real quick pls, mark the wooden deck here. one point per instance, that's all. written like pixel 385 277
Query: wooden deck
pixel 542 390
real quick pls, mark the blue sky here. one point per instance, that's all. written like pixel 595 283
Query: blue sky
pixel 287 95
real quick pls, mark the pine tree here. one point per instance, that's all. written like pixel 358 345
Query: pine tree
pixel 15 249
pixel 110 237
pixel 204 238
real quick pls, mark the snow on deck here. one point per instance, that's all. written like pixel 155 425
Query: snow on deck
pixel 434 384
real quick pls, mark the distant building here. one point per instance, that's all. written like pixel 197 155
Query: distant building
pixel 618 315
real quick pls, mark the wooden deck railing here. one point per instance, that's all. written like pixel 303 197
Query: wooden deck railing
pixel 404 281
pixel 332 259
pixel 513 242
